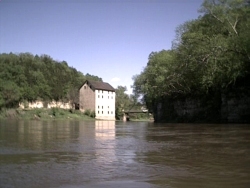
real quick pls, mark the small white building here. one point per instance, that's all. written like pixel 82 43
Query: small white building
pixel 51 104
pixel 99 97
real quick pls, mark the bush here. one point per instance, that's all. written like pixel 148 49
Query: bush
pixel 57 112
pixel 38 112
pixel 9 113
pixel 26 104
pixel 90 113
pixel 87 112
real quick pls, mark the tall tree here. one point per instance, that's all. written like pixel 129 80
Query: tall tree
pixel 122 102
pixel 209 54
pixel 9 94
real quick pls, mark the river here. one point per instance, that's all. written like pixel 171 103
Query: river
pixel 82 154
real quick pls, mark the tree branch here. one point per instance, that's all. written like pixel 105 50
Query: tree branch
pixel 210 11
pixel 235 24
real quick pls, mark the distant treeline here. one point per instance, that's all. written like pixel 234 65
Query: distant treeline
pixel 25 77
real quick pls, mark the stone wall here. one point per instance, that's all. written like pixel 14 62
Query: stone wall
pixel 223 108
pixel 236 108
pixel 42 104
pixel 86 98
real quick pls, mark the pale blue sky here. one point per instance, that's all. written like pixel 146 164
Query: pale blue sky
pixel 107 38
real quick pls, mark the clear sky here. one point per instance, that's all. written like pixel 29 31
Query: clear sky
pixel 111 39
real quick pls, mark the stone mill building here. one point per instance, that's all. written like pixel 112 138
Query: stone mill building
pixel 99 97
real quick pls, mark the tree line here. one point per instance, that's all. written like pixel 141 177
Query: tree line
pixel 209 55
pixel 125 102
pixel 27 77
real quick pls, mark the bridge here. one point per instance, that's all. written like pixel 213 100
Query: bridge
pixel 127 112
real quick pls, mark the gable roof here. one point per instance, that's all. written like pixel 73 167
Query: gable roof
pixel 99 85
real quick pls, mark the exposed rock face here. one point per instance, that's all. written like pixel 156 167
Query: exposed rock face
pixel 218 108
pixel 43 104
pixel 236 109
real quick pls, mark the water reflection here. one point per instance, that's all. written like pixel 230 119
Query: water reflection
pixel 105 130
pixel 131 154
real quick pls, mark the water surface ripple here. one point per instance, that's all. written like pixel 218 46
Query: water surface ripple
pixel 82 154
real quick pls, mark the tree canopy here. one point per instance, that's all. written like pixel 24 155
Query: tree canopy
pixel 122 101
pixel 25 77
pixel 210 53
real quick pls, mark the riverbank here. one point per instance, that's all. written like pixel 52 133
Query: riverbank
pixel 44 114
pixel 53 114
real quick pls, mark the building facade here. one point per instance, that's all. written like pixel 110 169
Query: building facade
pixel 98 97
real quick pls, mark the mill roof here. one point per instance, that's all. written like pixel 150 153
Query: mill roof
pixel 97 85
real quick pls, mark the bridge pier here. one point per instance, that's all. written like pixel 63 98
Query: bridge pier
pixel 125 117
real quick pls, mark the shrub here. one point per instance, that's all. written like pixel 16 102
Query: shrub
pixel 9 113
pixel 38 112
pixel 54 111
pixel 26 104
pixel 87 112
pixel 90 113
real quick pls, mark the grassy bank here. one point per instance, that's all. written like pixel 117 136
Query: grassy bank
pixel 142 119
pixel 44 114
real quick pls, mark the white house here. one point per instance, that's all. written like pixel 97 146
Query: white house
pixel 98 97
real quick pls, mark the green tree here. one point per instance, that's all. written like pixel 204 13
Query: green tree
pixel 158 78
pixel 209 54
pixel 93 77
pixel 9 94
pixel 122 102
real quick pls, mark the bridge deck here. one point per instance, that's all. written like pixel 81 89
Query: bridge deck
pixel 135 111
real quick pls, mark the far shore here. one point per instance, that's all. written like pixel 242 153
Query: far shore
pixel 44 114
pixel 50 114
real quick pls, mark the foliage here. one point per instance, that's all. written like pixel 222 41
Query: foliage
pixel 122 101
pixel 209 55
pixel 125 102
pixel 9 93
pixel 93 77
pixel 25 77
pixel 42 114
pixel 90 113
pixel 8 113
pixel 158 77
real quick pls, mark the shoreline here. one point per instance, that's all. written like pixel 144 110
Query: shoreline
pixel 50 114
pixel 43 114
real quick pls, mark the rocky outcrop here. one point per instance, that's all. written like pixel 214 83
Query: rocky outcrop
pixel 232 107
pixel 43 104
pixel 235 108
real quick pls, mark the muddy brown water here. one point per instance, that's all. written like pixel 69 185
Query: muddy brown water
pixel 82 154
